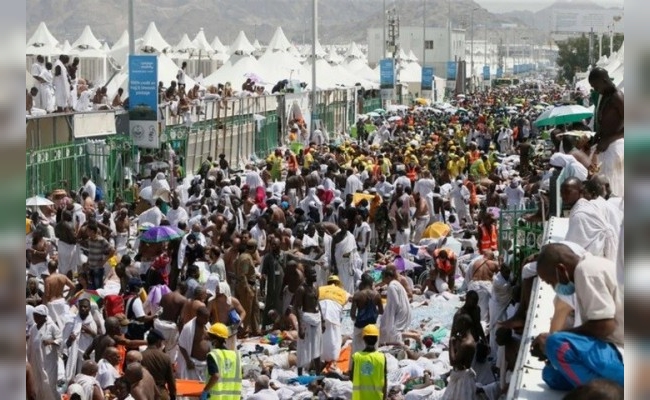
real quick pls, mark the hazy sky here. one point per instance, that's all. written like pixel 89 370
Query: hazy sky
pixel 533 5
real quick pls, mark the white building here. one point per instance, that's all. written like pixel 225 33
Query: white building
pixel 583 20
pixel 440 47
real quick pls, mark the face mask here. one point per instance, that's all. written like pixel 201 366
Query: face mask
pixel 564 289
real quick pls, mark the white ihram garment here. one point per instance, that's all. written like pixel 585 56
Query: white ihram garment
pixel 332 340
pixel 347 259
pixel 590 229
pixel 44 359
pixel 68 257
pixel 170 332
pixel 613 166
pixel 397 314
pixel 185 341
pixel 79 345
pixel 310 347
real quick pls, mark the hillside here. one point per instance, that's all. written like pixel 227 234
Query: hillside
pixel 341 21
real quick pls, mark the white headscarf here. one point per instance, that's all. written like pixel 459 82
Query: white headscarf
pixel 41 310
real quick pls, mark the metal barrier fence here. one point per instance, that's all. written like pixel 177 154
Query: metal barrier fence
pixel 108 162
pixel 524 238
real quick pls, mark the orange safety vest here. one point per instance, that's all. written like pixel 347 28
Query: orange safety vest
pixel 411 173
pixel 488 239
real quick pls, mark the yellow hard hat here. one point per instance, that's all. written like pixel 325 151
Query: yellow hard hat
pixel 333 278
pixel 219 330
pixel 370 330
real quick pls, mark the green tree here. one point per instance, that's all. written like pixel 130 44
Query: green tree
pixel 573 54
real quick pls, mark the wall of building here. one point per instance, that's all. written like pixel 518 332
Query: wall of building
pixel 410 38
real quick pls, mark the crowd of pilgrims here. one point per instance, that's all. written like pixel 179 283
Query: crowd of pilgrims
pixel 280 249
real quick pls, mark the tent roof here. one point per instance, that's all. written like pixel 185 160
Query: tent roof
pixel 185 45
pixel 241 44
pixel 279 65
pixel 42 37
pixel 411 56
pixel 320 51
pixel 122 41
pixel 257 45
pixel 153 39
pixel 42 42
pixel 354 51
pixel 233 71
pixel 279 41
pixel 217 45
pixel 87 40
pixel 201 42
pixel 66 47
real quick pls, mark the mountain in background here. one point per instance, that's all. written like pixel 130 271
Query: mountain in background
pixel 542 19
pixel 341 21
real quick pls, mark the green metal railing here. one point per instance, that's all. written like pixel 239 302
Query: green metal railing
pixel 267 138
pixel 525 238
pixel 371 104
pixel 108 162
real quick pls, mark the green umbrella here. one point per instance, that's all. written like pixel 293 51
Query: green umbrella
pixel 563 115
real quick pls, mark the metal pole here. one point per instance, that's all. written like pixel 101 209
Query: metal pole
pixel 471 75
pixel 383 34
pixel 611 41
pixel 131 29
pixel 314 31
pixel 424 33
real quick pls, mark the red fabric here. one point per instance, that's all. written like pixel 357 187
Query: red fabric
pixel 260 197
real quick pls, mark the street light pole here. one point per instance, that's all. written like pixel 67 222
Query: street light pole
pixel 383 34
pixel 131 29
pixel 314 31
pixel 471 75
pixel 424 33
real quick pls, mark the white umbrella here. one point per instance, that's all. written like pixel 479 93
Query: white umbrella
pixel 38 201
pixel 395 118
pixel 373 114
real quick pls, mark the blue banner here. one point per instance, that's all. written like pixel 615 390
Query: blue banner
pixel 427 78
pixel 451 70
pixel 499 72
pixel 386 74
pixel 486 72
pixel 143 100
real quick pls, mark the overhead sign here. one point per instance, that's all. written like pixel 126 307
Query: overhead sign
pixel 452 66
pixel 486 72
pixel 499 72
pixel 143 100
pixel 427 78
pixel 386 74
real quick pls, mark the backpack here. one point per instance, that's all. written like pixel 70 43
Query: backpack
pixel 113 304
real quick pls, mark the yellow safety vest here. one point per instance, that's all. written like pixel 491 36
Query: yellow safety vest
pixel 228 387
pixel 368 376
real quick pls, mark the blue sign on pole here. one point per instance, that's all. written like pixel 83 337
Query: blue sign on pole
pixel 451 70
pixel 143 100
pixel 427 78
pixel 386 74
pixel 499 72
pixel 486 72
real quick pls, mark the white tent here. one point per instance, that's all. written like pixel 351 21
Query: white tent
pixel 42 42
pixel 615 66
pixel 218 46
pixel 185 45
pixel 360 69
pixel 409 72
pixel 202 44
pixel 257 45
pixel 66 48
pixel 354 52
pixel 326 76
pixel 152 41
pixel 333 56
pixel 279 41
pixel 87 40
pixel 120 55
pixel 241 45
pixel 234 71
pixel 411 56
pixel 122 41
pixel 279 65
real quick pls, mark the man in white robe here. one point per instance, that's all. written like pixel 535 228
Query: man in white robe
pixel 346 258
pixel 87 380
pixel 78 335
pixel 460 200
pixel 61 85
pixel 588 223
pixel 331 299
pixel 186 344
pixel 499 302
pixel 397 311
pixel 42 352
pixel 107 371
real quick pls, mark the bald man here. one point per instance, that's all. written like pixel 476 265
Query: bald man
pixel 143 386
pixel 263 391
pixel 480 274
pixel 589 226
pixel 108 368
pixel 87 380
